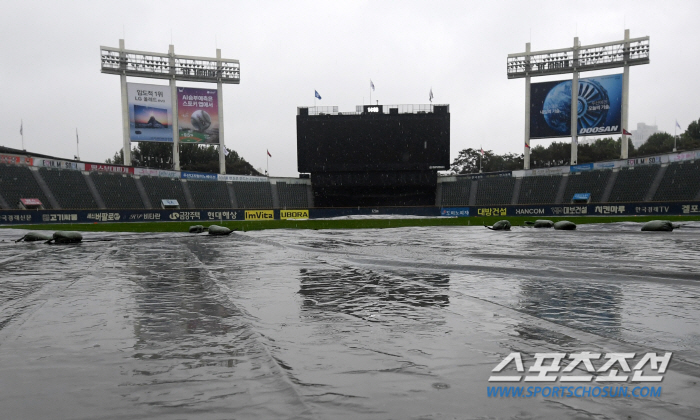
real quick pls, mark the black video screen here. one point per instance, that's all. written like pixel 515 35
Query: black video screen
pixel 367 142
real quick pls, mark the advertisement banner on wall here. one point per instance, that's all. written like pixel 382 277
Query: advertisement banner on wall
pixel 198 115
pixel 150 112
pixel 599 107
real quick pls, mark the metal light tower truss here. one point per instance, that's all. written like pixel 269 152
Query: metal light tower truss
pixel 591 57
pixel 166 66
pixel 625 53
pixel 173 68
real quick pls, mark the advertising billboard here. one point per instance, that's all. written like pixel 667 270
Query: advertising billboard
pixel 198 115
pixel 599 107
pixel 150 112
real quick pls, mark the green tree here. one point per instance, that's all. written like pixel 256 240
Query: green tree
pixel 657 143
pixel 690 139
pixel 193 157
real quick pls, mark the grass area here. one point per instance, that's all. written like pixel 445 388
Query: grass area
pixel 336 224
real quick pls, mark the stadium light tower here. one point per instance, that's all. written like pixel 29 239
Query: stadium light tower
pixel 589 103
pixel 173 68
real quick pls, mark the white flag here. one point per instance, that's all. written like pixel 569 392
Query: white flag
pixel 431 95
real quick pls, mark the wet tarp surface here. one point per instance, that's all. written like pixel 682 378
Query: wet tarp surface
pixel 341 324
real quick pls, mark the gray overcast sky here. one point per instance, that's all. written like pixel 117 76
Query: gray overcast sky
pixel 50 71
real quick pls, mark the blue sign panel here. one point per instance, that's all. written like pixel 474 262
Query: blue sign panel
pixel 582 167
pixel 198 175
pixel 582 196
pixel 599 107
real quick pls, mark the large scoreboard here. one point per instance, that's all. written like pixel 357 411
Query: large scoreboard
pixel 374 140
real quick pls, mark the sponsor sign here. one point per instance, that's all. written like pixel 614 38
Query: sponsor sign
pixel 198 115
pixel 644 161
pixel 599 107
pixel 198 175
pixel 682 156
pixel 30 201
pixel 488 175
pixel 454 211
pixel 557 170
pixel 582 167
pixel 294 214
pixel 492 211
pixel 169 203
pixel 146 171
pixel 150 112
pixel 60 164
pixel 259 215
pixel 607 165
pixel 582 196
pixel 109 168
pixel 539 211
pixel 16 160
pixel 245 178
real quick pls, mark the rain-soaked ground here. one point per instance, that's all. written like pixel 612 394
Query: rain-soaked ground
pixel 342 324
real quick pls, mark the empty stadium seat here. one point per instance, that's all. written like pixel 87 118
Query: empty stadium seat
pixel 495 191
pixel 539 189
pixel 118 191
pixel 633 183
pixel 681 182
pixel 17 182
pixel 69 188
pixel 456 193
pixel 209 194
pixel 292 196
pixel 253 195
pixel 158 189
pixel 592 182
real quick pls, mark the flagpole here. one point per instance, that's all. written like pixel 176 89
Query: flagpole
pixel 77 144
pixel 21 131
pixel 267 160
pixel 674 135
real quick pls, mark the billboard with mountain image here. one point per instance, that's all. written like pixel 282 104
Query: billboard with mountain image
pixel 150 113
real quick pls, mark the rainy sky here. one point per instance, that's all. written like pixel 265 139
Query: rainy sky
pixel 51 80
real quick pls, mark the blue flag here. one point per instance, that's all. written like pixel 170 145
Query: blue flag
pixel 317 95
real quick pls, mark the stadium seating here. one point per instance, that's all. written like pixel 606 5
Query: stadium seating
pixel 17 182
pixel 209 194
pixel 539 189
pixel 253 195
pixel 293 196
pixel 592 182
pixel 69 188
pixel 495 191
pixel 456 193
pixel 159 189
pixel 117 191
pixel 680 182
pixel 633 183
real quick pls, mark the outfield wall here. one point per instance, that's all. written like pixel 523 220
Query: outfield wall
pixel 20 217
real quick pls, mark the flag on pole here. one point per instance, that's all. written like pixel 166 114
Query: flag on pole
pixel 77 140
pixel 226 152
pixel 527 146
pixel 482 151
pixel 678 125
pixel 371 84
pixel 626 133
pixel 268 153
pixel 430 97
pixel 317 95
pixel 21 124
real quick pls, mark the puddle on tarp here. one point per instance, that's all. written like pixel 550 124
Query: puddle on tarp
pixel 350 324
